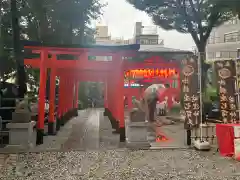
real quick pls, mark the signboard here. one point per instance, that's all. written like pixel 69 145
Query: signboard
pixel 150 73
pixel 238 73
pixel 190 92
pixel 226 73
pixel 100 58
pixel 131 84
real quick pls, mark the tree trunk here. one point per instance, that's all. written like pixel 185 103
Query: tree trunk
pixel 69 39
pixel 204 69
pixel 1 45
pixel 82 29
pixel 21 74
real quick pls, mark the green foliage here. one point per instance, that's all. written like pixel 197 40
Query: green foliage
pixel 196 17
pixel 229 6
pixel 211 92
pixel 7 64
pixel 51 21
pixel 82 96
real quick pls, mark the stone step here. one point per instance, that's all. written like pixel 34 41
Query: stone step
pixel 138 145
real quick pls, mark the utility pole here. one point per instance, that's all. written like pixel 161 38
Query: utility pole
pixel 21 76
pixel 1 50
pixel 1 43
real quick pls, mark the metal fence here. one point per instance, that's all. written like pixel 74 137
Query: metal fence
pixel 208 133
pixel 4 132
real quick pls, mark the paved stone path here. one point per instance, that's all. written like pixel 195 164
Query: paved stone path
pixel 89 131
pixel 175 134
pixel 85 132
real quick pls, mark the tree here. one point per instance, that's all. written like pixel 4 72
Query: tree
pixel 57 21
pixel 196 17
pixel 50 21
pixel 20 70
pixel 229 6
pixel 7 64
pixel 60 21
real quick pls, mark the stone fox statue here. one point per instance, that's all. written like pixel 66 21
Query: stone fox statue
pixel 149 100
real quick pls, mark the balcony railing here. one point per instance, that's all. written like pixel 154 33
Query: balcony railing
pixel 225 39
pixel 223 55
pixel 149 30
pixel 215 40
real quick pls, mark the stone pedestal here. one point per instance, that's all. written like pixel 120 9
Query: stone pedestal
pixel 137 134
pixel 22 135
pixel 21 117
pixel 75 112
pixel 137 116
pixel 52 128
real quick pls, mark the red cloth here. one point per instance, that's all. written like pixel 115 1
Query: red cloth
pixel 225 137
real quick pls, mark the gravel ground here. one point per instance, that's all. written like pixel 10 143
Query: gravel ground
pixel 121 164
pixel 104 160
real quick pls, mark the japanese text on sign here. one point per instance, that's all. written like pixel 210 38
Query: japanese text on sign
pixel 190 93
pixel 226 85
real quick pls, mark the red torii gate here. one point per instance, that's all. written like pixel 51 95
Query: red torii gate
pixel 70 71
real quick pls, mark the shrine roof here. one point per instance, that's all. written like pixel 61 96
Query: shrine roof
pixel 134 47
pixel 160 48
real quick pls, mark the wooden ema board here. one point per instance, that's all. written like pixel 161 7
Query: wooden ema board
pixel 190 92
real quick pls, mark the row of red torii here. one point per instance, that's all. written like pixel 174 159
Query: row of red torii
pixel 71 71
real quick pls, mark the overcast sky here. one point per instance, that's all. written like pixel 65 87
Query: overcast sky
pixel 121 17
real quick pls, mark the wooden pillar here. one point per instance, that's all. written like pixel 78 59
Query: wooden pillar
pixel 64 102
pixel 120 104
pixel 71 95
pixel 65 96
pixel 76 94
pixel 110 101
pixel 114 97
pixel 51 120
pixel 106 94
pixel 105 113
pixel 68 95
pixel 129 100
pixel 75 97
pixel 60 101
pixel 109 91
pixel 42 94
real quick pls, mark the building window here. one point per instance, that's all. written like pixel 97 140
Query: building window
pixel 231 37
pixel 218 54
pixel 233 54
pixel 154 41
pixel 210 55
pixel 211 40
pixel 238 53
pixel 144 41
pixel 232 21
pixel 225 54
